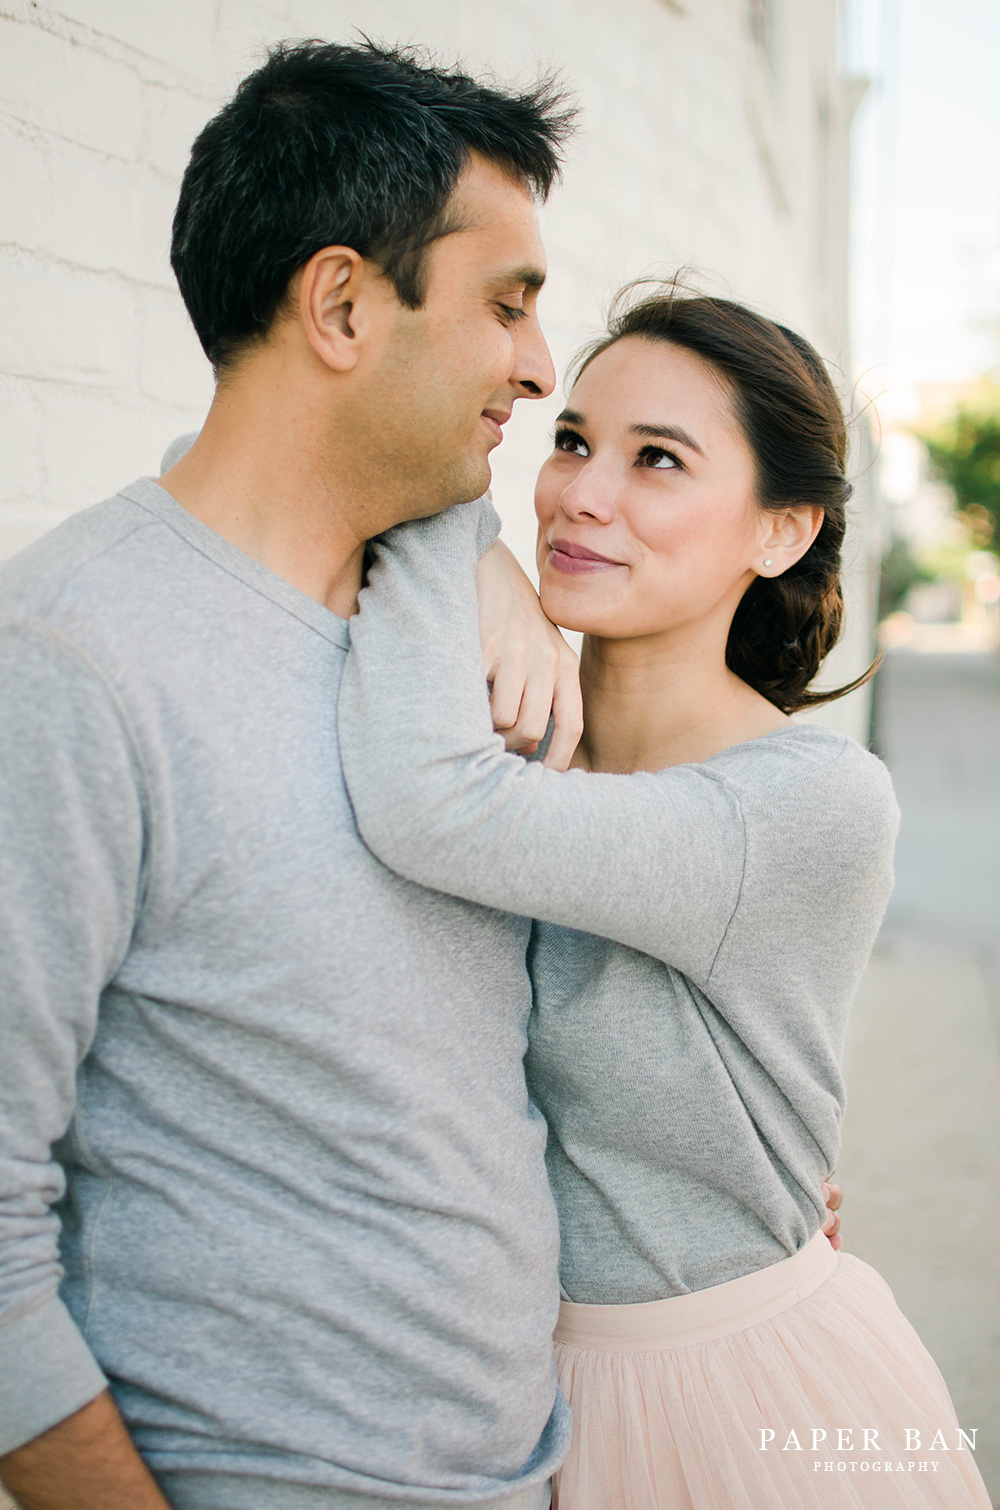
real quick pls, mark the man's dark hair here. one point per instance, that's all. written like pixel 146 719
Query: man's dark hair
pixel 335 145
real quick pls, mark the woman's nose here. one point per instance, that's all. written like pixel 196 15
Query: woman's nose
pixel 593 494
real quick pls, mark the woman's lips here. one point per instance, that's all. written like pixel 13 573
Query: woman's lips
pixel 578 561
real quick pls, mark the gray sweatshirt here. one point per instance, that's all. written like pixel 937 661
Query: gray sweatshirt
pixel 305 1224
pixel 702 933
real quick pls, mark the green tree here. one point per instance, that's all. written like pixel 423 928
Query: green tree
pixel 900 571
pixel 965 453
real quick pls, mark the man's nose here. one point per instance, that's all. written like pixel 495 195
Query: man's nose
pixel 533 372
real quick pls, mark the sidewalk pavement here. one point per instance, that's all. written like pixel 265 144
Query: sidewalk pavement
pixel 921 1160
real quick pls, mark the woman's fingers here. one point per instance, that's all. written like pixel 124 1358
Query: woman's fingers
pixel 533 671
pixel 567 712
pixel 833 1196
pixel 509 676
pixel 531 683
pixel 527 685
pixel 537 698
pixel 523 684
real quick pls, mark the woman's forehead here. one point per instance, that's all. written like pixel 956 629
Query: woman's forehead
pixel 647 382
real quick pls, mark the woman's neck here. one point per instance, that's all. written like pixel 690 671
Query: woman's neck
pixel 664 700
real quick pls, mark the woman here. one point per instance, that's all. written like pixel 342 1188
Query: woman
pixel 709 883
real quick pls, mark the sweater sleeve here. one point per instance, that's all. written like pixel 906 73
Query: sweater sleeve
pixel 70 861
pixel 653 861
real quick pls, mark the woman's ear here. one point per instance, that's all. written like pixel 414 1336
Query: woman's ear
pixel 788 535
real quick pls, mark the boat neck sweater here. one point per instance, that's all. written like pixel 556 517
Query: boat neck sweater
pixel 273 1095
pixel 701 933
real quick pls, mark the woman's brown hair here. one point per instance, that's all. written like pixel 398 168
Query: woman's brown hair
pixel 791 418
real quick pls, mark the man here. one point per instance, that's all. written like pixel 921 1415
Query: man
pixel 309 1250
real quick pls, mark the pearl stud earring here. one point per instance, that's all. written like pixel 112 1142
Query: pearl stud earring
pixel 768 562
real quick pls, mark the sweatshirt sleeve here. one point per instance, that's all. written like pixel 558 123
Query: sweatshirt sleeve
pixel 70 862
pixel 653 861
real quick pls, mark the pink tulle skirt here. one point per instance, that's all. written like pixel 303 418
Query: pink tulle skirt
pixel 719 1400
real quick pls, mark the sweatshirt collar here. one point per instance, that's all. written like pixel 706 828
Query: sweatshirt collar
pixel 148 494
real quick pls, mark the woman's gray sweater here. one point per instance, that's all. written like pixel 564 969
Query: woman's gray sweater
pixel 702 933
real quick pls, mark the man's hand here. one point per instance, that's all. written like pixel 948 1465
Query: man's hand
pixel 87 1462
pixel 833 1195
pixel 533 670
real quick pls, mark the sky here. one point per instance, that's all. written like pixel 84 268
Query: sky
pixel 926 287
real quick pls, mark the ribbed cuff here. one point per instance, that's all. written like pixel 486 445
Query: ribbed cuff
pixel 48 1373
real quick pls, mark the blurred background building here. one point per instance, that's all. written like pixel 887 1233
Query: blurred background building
pixel 921 1159
pixel 834 162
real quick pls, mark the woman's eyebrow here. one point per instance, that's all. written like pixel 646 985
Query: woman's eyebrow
pixel 648 432
pixel 667 432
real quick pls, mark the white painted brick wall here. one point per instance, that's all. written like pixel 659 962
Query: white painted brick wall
pixel 693 150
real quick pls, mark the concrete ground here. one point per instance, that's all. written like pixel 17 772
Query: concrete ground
pixel 921 1158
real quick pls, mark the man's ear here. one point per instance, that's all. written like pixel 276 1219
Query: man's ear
pixel 788 536
pixel 335 288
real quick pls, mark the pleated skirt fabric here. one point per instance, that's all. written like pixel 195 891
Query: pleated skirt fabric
pixel 717 1400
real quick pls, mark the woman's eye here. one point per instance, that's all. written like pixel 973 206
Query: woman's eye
pixel 568 440
pixel 655 456
pixel 511 313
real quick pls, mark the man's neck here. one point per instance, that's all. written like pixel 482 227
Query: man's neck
pixel 258 476
pixel 665 700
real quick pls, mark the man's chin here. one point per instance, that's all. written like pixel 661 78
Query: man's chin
pixel 460 484
pixel 475 482
pixel 465 484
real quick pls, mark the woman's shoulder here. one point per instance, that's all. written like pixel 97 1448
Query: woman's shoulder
pixel 805 766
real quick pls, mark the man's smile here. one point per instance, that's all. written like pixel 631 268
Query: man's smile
pixel 495 419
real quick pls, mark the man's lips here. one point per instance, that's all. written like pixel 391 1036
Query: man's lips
pixel 495 419
pixel 577 561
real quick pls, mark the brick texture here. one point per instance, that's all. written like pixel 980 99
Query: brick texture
pixel 697 149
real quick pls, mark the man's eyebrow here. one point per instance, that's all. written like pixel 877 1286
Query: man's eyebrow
pixel 519 277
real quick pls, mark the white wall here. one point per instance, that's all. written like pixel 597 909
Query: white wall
pixel 699 145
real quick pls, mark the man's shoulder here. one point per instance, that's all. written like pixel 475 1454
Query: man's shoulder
pixel 35 582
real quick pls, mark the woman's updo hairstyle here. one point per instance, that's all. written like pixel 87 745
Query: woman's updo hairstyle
pixel 792 421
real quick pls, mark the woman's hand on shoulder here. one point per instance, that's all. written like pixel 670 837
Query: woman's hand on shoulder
pixel 833 1195
pixel 533 671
